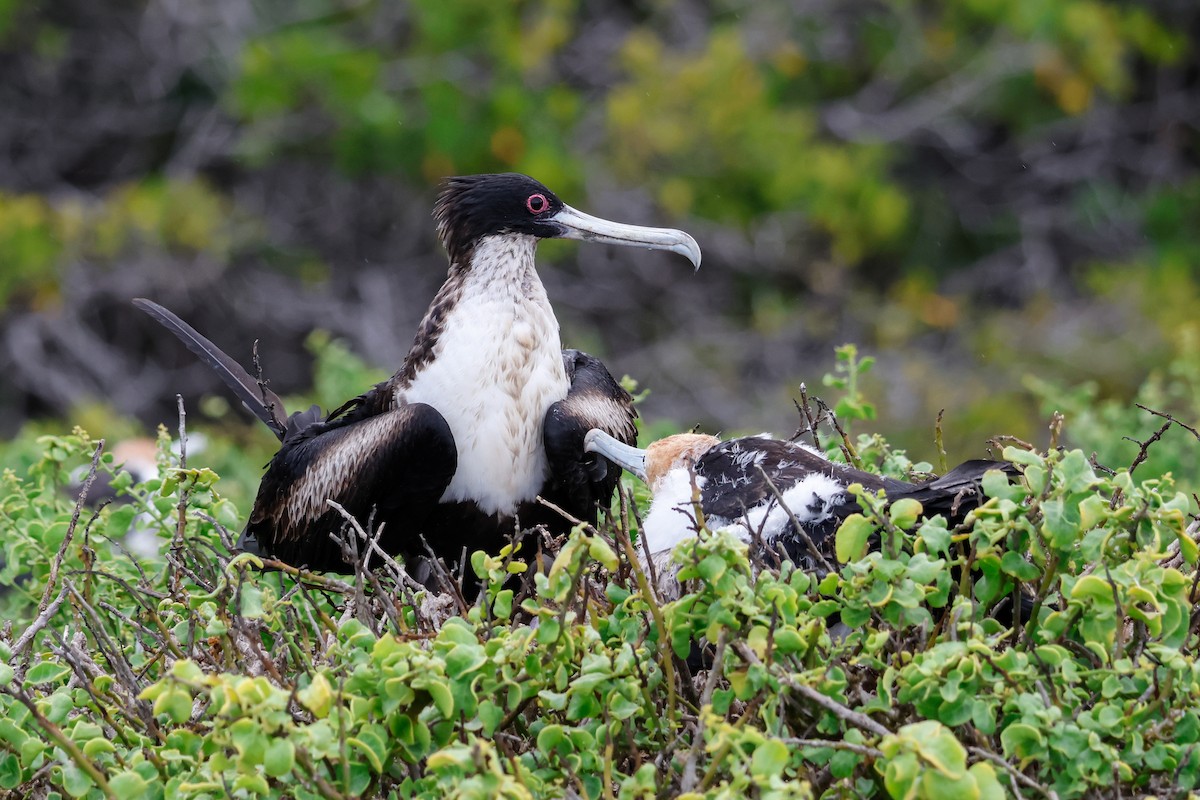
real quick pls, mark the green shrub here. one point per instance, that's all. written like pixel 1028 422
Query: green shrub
pixel 195 675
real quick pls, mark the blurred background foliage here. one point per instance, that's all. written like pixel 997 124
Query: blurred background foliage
pixel 996 198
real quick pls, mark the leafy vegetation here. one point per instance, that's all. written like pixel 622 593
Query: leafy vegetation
pixel 993 189
pixel 192 674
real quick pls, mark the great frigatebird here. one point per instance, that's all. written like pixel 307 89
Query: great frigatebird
pixel 732 480
pixel 486 413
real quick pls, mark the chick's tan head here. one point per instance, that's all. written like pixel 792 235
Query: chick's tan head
pixel 680 450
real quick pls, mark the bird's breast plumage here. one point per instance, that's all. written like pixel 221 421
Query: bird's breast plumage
pixel 495 371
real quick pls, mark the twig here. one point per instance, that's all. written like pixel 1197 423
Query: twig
pixel 861 749
pixel 800 531
pixel 1144 452
pixel 847 448
pixel 688 780
pixel 1013 772
pixel 855 718
pixel 1171 418
pixel 39 623
pixel 806 412
pixel 56 565
pixel 939 443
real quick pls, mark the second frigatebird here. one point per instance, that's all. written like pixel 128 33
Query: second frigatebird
pixel 486 413
pixel 732 477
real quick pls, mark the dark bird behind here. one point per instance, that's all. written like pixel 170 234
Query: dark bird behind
pixel 486 413
pixel 734 492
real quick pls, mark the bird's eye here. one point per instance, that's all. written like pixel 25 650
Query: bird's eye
pixel 537 203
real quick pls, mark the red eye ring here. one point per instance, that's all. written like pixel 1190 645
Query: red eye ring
pixel 537 203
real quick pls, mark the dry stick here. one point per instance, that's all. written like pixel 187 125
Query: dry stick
pixel 668 655
pixel 1056 426
pixel 688 780
pixel 443 576
pixel 847 448
pixel 1144 452
pixel 627 507
pixel 806 412
pixel 323 786
pixel 1171 418
pixel 66 542
pixel 861 749
pixel 398 573
pixel 568 516
pixel 808 542
pixel 39 623
pixel 939 443
pixel 1017 775
pixel 175 582
pixel 855 718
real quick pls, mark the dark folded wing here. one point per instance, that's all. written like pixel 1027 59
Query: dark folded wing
pixel 734 481
pixel 388 468
pixel 578 479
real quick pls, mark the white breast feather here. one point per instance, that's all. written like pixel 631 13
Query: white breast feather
pixel 811 500
pixel 672 517
pixel 497 369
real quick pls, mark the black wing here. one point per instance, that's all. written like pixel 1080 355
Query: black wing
pixel 389 468
pixel 261 401
pixel 580 480
pixel 958 491
pixel 733 473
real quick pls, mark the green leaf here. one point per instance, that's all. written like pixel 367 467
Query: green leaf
pixel 996 484
pixel 769 759
pixel 552 738
pixel 442 697
pixel 987 782
pixel 599 550
pixel 75 781
pixel 904 513
pixel 1013 564
pixel 120 520
pixel 254 784
pixel 935 535
pixel 464 658
pixel 372 743
pixel 128 785
pixel 937 747
pixel 11 733
pixel 502 607
pixel 176 703
pixel 1021 456
pixel 900 775
pixel 279 758
pixel 851 538
pixel 251 601
pixel 98 746
pixel 711 568
pixel 11 775
pixel 1020 740
pixel 317 697
pixel 46 672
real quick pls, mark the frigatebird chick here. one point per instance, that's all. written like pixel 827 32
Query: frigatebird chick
pixel 486 413
pixel 732 480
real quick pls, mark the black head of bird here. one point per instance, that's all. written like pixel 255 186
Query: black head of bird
pixel 473 207
pixel 486 413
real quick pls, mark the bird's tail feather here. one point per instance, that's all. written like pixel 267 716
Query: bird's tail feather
pixel 261 401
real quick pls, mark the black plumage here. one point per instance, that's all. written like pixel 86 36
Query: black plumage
pixel 486 413
pixel 732 480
